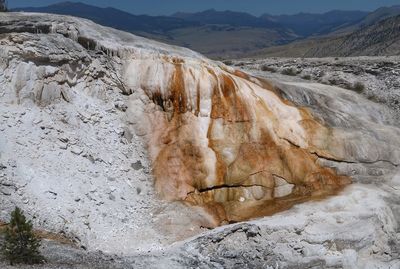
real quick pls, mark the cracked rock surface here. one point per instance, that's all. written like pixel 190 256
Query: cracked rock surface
pixel 87 113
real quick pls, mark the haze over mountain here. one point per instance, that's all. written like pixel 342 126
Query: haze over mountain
pixel 216 34
pixel 114 18
pixel 306 24
pixel 254 7
pixel 227 17
pixel 374 17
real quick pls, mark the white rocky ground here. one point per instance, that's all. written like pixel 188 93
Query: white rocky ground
pixel 73 165
pixel 69 160
pixel 379 75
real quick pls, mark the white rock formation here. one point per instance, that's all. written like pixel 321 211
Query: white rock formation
pixel 87 112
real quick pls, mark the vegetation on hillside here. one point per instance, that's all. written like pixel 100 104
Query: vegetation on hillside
pixel 21 244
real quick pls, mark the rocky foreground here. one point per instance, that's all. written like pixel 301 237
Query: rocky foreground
pixel 375 78
pixel 136 149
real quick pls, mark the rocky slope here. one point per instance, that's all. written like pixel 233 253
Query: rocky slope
pixel 376 77
pixel 92 117
pixel 379 39
pixel 372 18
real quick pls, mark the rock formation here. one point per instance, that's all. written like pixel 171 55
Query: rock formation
pixel 227 141
pixel 216 137
pixel 230 145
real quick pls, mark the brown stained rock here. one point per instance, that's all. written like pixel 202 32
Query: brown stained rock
pixel 249 153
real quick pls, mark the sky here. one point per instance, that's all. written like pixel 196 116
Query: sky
pixel 256 7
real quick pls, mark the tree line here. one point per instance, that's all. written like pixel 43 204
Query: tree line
pixel 3 5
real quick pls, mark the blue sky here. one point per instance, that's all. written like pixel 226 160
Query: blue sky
pixel 257 7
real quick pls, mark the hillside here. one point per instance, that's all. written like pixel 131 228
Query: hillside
pixel 307 24
pixel 381 38
pixel 374 17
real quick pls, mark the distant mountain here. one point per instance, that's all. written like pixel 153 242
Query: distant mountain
pixel 224 41
pixel 228 34
pixel 114 18
pixel 307 24
pixel 380 14
pixel 372 18
pixel 213 33
pixel 379 39
pixel 231 18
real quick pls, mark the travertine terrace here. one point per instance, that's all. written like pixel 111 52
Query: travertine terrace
pixel 217 138
pixel 159 143
pixel 227 141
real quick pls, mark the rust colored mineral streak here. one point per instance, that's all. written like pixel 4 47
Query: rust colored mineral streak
pixel 227 142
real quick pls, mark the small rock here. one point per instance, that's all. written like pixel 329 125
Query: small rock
pixel 283 190
pixel 7 183
pixel 120 106
pixel 53 195
pixel 64 139
pixel 5 192
pixel 109 178
pixel 12 163
pixel 37 121
pixel 137 165
pixel 124 168
pixel 76 150
pixel 63 146
pixel 90 158
pixel 119 131
pixel 128 135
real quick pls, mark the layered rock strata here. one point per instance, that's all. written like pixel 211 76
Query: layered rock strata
pixel 77 99
pixel 217 138
pixel 227 141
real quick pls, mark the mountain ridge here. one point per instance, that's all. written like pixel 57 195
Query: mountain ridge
pixel 379 39
pixel 233 18
pixel 113 17
pixel 307 24
pixel 227 34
